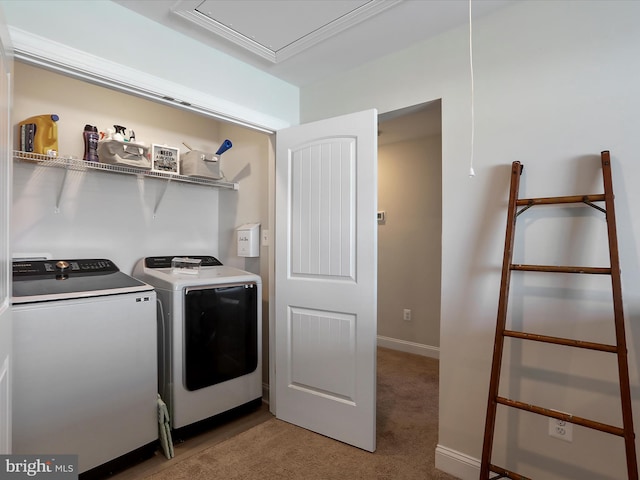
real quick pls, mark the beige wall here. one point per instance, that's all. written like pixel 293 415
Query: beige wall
pixel 187 216
pixel 409 248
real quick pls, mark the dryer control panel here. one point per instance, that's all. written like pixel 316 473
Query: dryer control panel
pixel 165 262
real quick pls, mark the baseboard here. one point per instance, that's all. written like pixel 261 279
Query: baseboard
pixel 409 347
pixel 457 464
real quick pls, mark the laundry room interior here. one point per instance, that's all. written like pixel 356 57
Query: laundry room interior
pixel 552 85
pixel 67 213
pixel 70 213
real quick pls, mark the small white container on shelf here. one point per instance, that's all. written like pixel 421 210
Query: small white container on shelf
pixel 126 154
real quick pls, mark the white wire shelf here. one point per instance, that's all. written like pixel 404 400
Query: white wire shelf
pixel 77 164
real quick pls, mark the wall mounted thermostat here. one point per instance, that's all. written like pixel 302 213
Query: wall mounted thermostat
pixel 249 240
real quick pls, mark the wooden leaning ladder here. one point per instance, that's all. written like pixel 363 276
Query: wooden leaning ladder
pixel 620 348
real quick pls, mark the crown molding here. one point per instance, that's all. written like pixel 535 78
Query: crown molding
pixel 187 9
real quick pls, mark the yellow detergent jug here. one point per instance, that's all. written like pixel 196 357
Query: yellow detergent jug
pixel 39 134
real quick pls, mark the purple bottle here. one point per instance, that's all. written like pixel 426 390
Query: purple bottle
pixel 90 135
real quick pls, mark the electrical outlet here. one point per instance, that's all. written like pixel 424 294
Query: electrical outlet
pixel 561 429
pixel 406 315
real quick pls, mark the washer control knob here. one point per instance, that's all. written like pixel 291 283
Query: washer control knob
pixel 62 265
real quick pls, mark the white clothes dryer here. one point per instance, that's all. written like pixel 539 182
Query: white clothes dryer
pixel 209 337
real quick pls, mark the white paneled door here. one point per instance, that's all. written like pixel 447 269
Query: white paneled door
pixel 6 159
pixel 326 277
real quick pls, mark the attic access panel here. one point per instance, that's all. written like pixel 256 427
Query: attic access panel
pixel 278 29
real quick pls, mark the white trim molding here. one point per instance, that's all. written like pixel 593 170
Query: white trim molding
pixel 189 10
pixel 409 347
pixel 457 464
pixel 5 407
pixel 39 51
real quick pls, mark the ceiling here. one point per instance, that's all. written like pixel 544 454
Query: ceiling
pixel 305 41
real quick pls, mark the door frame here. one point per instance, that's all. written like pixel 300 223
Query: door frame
pixel 6 168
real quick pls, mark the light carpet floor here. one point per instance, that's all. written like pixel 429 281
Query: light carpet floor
pixel 407 416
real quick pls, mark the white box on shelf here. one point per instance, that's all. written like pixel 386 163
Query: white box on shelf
pixel 125 154
pixel 196 163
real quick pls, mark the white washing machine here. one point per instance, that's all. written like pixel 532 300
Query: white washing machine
pixel 85 363
pixel 209 338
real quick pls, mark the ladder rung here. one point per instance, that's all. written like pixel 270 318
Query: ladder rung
pixel 556 200
pixel 601 347
pixel 504 473
pixel 561 269
pixel 585 422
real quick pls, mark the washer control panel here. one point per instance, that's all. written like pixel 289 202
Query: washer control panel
pixel 70 267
